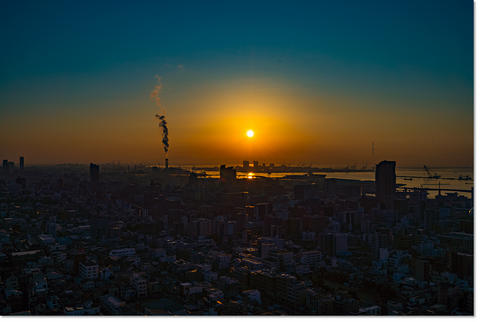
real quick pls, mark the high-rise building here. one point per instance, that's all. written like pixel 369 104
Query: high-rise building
pixel 246 164
pixel 255 164
pixel 94 172
pixel 22 161
pixel 227 174
pixel 5 164
pixel 385 182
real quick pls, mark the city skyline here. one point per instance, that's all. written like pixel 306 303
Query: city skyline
pixel 249 158
pixel 316 82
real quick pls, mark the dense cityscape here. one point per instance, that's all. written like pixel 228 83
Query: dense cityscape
pixel 237 158
pixel 114 239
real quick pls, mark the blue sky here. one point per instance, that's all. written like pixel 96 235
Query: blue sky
pixel 61 55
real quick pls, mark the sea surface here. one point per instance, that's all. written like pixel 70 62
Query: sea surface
pixel 409 177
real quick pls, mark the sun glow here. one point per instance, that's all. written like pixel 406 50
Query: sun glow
pixel 250 133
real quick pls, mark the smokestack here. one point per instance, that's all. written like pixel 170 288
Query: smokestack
pixel 166 163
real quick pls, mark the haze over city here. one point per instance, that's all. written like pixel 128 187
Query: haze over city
pixel 317 82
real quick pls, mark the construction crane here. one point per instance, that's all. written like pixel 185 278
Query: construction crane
pixel 429 174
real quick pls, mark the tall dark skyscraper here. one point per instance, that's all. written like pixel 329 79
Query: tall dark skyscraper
pixel 94 172
pixel 385 182
pixel 22 161
pixel 227 174
pixel 5 164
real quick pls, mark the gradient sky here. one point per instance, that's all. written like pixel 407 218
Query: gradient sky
pixel 318 81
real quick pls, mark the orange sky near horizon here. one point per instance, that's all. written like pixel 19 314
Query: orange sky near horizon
pixel 207 125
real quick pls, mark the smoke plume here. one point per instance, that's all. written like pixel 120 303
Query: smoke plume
pixel 155 95
pixel 163 125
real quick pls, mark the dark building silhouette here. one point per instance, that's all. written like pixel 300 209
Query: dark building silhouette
pixel 5 164
pixel 94 172
pixel 246 164
pixel 385 182
pixel 166 163
pixel 22 162
pixel 227 174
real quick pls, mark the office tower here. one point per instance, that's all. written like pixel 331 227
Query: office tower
pixel 255 164
pixel 246 164
pixel 5 164
pixel 385 182
pixel 227 174
pixel 22 160
pixel 94 172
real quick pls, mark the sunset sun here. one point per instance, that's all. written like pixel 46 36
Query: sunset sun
pixel 250 133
